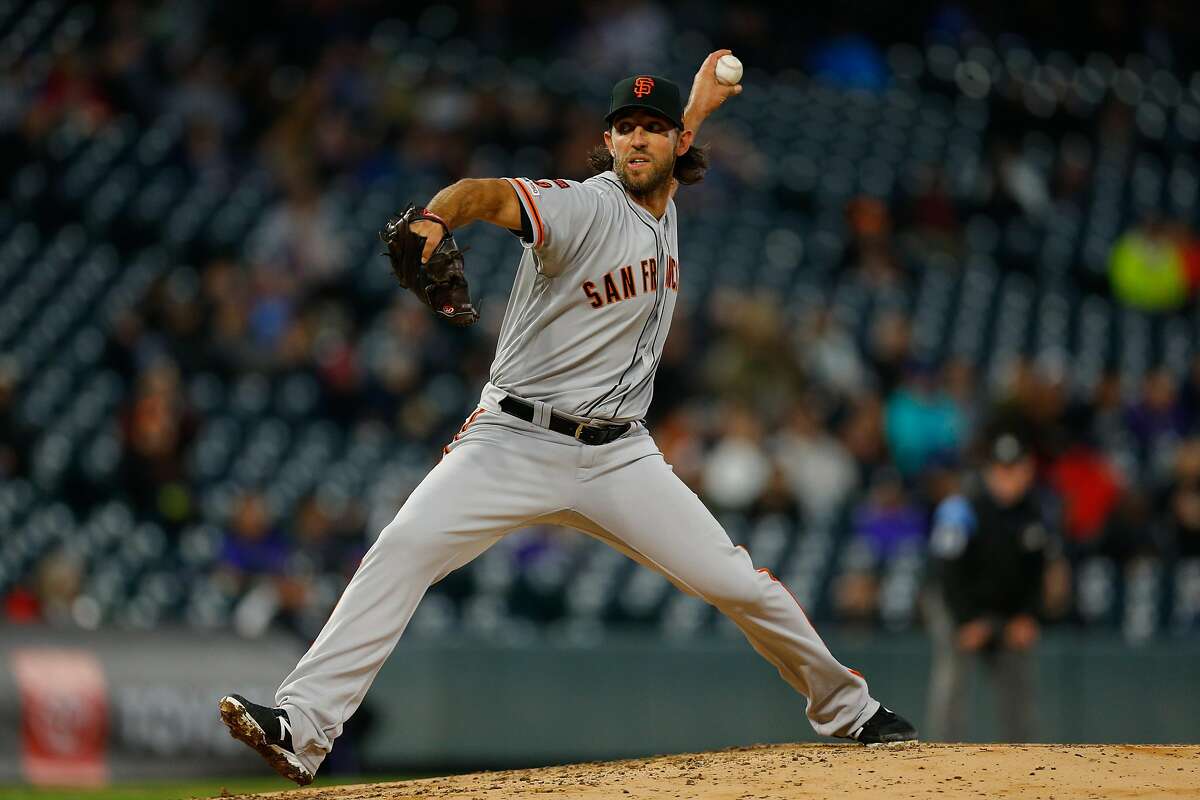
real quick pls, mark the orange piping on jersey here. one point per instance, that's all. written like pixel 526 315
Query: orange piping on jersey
pixel 803 613
pixel 463 429
pixel 769 574
pixel 540 238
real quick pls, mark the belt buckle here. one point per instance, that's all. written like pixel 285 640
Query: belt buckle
pixel 579 430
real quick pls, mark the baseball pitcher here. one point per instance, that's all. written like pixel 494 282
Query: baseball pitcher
pixel 558 436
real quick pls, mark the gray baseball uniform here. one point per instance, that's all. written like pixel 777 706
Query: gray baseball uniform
pixel 582 336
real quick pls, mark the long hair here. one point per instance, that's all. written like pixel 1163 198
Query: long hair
pixel 689 167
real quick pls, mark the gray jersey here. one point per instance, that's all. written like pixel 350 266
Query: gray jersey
pixel 592 302
pixel 583 333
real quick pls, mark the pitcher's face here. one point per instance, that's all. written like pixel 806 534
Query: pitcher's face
pixel 644 147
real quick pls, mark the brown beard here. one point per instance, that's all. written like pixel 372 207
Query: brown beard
pixel 689 168
pixel 661 177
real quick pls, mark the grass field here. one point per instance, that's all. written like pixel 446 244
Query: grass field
pixel 180 790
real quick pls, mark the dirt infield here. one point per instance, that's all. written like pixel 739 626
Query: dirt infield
pixel 845 772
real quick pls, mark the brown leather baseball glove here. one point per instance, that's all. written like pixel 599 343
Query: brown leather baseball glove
pixel 440 282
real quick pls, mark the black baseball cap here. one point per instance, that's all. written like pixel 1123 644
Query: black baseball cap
pixel 651 92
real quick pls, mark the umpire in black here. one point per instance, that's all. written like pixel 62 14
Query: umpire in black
pixel 988 548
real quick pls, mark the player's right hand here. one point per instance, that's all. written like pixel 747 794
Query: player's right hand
pixel 433 236
pixel 707 95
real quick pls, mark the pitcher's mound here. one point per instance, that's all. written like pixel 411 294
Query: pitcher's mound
pixel 838 772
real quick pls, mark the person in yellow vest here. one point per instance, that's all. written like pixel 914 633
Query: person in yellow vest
pixel 1147 268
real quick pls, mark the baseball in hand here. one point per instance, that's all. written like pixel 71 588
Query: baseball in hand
pixel 729 70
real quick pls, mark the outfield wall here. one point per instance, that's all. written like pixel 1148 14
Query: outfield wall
pixel 91 708
pixel 466 704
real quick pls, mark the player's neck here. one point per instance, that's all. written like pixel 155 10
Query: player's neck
pixel 655 202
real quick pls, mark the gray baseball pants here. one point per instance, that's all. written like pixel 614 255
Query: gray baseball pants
pixel 501 474
pixel 1010 671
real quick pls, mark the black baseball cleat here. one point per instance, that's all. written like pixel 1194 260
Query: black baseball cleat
pixel 885 727
pixel 267 730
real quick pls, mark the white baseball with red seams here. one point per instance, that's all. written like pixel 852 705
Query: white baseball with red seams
pixel 582 336
pixel 729 70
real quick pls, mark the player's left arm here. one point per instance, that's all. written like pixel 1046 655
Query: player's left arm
pixel 465 201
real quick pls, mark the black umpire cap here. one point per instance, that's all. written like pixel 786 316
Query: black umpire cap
pixel 1007 447
pixel 651 92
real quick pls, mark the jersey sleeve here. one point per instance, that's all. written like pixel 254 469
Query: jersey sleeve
pixel 561 215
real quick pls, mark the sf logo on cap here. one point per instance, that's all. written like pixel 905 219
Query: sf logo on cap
pixel 643 86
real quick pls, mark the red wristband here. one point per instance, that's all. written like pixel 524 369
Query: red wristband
pixel 427 214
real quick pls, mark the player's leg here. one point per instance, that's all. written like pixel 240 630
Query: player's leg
pixel 946 717
pixel 666 526
pixel 1012 677
pixel 492 482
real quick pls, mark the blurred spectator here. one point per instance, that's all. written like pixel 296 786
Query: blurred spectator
pixel 299 239
pixel 59 579
pixel 202 94
pixel 941 478
pixel 1104 413
pixel 617 35
pixel 206 155
pixel 21 606
pixel 1182 500
pixel 891 350
pixel 990 547
pixel 678 437
pixel 124 350
pixel 1148 269
pixel 737 471
pixel 16 438
pixel 819 471
pixel 1090 489
pixel 831 356
pixel 749 361
pixel 233 345
pixel 934 216
pixel 959 381
pixel 856 588
pixel 253 569
pixel 871 253
pixel 1132 531
pixel 254 545
pixel 1020 183
pixel 158 427
pixel 888 521
pixel 1074 174
pixel 324 532
pixel 1189 395
pixel 295 582
pixel 1189 253
pixel 862 432
pixel 176 311
pixel 71 90
pixel 1157 420
pixel 921 420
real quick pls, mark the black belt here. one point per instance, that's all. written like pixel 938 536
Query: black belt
pixel 588 434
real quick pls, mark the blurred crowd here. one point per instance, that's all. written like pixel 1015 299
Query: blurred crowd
pixel 760 408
